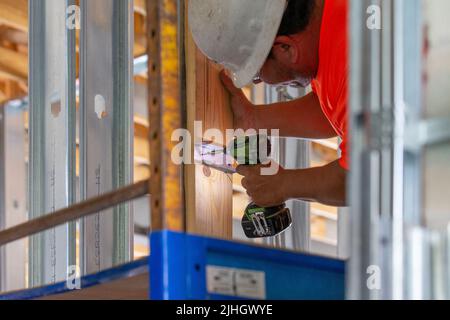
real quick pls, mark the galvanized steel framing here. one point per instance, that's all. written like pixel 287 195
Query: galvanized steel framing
pixel 13 203
pixel 52 136
pixel 384 67
pixel 106 127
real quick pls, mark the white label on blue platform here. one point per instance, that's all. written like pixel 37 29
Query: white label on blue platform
pixel 220 280
pixel 250 284
pixel 236 282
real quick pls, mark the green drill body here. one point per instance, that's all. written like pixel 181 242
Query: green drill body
pixel 259 222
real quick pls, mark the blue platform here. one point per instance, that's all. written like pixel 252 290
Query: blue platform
pixel 179 264
pixel 179 261
pixel 121 272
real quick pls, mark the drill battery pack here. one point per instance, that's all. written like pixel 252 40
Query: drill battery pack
pixel 259 222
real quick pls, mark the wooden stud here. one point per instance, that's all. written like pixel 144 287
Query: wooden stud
pixel 165 115
pixel 208 192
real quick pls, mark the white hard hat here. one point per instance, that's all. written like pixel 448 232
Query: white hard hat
pixel 238 34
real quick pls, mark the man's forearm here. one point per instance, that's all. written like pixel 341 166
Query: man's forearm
pixel 326 185
pixel 302 118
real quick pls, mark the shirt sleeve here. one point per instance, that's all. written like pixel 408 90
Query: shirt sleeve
pixel 343 161
pixel 343 108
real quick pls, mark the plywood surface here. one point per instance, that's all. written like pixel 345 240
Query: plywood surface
pixel 132 288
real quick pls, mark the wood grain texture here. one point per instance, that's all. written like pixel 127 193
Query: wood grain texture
pixel 13 65
pixel 208 192
pixel 165 115
pixel 14 13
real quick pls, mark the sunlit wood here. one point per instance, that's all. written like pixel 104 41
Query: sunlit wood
pixel 208 192
pixel 13 65
pixel 3 97
pixel 139 7
pixel 14 13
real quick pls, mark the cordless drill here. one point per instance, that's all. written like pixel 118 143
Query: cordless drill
pixel 259 222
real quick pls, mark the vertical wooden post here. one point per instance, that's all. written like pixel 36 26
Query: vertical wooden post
pixel 208 192
pixel 165 114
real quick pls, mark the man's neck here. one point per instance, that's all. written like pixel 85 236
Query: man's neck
pixel 308 42
pixel 315 30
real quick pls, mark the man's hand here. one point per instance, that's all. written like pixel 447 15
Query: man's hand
pixel 243 110
pixel 326 185
pixel 265 190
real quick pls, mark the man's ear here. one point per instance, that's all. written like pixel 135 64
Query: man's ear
pixel 285 50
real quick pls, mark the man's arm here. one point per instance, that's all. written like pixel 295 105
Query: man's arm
pixel 326 185
pixel 301 118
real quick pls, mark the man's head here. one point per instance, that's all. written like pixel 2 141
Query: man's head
pixel 276 39
pixel 293 59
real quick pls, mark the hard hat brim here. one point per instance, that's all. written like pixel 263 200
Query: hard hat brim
pixel 264 45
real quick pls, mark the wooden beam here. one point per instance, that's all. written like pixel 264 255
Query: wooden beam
pixel 208 192
pixel 135 287
pixel 3 97
pixel 165 114
pixel 11 90
pixel 140 41
pixel 74 212
pixel 13 35
pixel 13 65
pixel 139 7
pixel 14 13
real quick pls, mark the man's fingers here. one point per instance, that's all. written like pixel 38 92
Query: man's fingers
pixel 243 170
pixel 228 84
pixel 252 175
pixel 258 200
pixel 253 188
pixel 246 171
pixel 244 183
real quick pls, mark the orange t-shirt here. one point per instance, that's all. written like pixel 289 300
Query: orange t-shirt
pixel 331 82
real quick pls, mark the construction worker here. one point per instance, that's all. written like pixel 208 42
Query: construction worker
pixel 295 42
